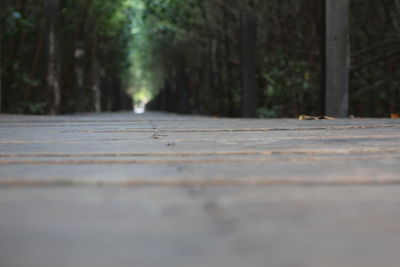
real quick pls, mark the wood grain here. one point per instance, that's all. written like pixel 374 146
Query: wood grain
pixel 166 190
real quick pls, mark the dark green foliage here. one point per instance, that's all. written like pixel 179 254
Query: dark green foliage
pixel 99 28
pixel 205 37
pixel 375 88
pixel 289 87
pixel 186 54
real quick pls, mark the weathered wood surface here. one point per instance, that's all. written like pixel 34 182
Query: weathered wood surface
pixel 165 190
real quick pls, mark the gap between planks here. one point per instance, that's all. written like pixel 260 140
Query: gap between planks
pixel 203 183
pixel 169 140
pixel 230 130
pixel 214 153
pixel 192 161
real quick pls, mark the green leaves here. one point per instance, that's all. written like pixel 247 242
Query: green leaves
pixel 287 80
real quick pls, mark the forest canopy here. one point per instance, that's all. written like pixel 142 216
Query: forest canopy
pixel 184 56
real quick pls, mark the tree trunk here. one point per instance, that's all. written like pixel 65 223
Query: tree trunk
pixel 335 57
pixel 1 60
pixel 248 38
pixel 80 96
pixel 96 86
pixel 52 79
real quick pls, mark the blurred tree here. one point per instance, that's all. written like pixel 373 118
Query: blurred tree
pixel 63 56
pixel 52 46
pixel 206 36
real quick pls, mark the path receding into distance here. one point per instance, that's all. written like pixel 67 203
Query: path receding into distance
pixel 127 190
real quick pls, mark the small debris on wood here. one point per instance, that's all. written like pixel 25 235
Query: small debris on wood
pixel 306 117
pixel 158 135
pixel 171 144
pixel 395 115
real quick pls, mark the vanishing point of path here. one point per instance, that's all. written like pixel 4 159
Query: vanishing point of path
pixel 126 190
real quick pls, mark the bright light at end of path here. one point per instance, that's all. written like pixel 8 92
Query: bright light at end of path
pixel 140 108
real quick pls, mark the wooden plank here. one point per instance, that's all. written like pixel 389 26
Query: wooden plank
pixel 248 39
pixel 119 189
pixel 213 227
pixel 335 57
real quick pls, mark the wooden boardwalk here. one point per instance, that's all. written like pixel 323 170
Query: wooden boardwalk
pixel 127 190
